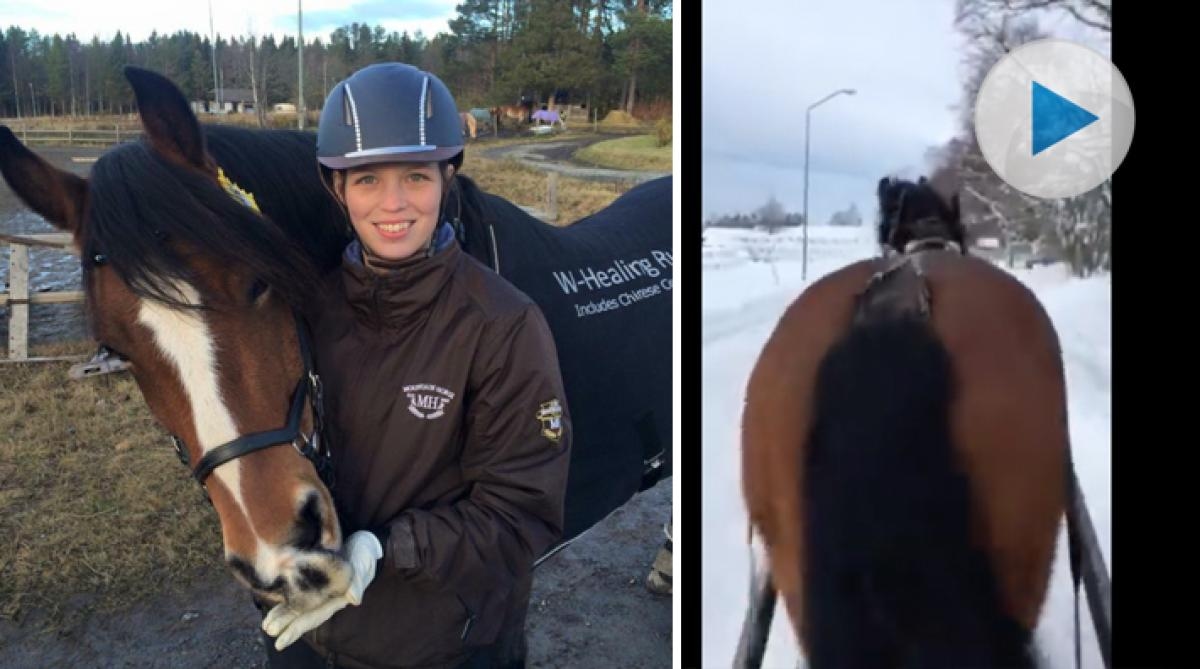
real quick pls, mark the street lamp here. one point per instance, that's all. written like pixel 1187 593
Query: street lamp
pixel 807 127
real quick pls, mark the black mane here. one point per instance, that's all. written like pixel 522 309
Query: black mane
pixel 145 208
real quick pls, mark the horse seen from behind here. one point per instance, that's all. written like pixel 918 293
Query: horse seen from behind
pixel 905 452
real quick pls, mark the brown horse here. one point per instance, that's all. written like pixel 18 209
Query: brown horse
pixel 517 113
pixel 905 455
pixel 188 282
pixel 468 122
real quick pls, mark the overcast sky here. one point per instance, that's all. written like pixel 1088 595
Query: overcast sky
pixel 765 61
pixel 137 18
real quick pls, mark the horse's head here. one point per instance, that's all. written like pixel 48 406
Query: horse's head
pixel 185 280
pixel 912 212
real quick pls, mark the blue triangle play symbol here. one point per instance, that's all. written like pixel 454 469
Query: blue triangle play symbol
pixel 1055 118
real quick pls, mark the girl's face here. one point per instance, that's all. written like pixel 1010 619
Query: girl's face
pixel 393 206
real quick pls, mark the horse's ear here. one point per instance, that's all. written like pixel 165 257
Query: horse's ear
pixel 57 195
pixel 922 180
pixel 170 125
pixel 883 186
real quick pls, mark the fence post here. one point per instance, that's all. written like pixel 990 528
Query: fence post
pixel 118 127
pixel 552 196
pixel 18 302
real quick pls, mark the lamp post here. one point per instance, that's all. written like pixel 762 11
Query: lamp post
pixel 807 127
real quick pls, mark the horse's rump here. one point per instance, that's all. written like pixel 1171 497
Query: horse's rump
pixel 604 285
pixel 1006 418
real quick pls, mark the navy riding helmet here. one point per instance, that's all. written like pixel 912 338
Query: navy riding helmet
pixel 389 112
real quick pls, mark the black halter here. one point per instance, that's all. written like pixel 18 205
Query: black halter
pixel 312 446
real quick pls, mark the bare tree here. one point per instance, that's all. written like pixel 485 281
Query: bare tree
pixel 1092 13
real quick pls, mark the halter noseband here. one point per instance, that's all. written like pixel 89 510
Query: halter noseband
pixel 312 446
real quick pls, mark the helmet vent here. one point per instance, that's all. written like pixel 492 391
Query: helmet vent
pixel 425 110
pixel 349 99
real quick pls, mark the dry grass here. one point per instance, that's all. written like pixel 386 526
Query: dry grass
pixel 96 511
pixel 92 497
pixel 628 153
pixel 526 186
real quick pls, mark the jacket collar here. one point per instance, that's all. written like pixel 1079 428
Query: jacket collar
pixel 393 294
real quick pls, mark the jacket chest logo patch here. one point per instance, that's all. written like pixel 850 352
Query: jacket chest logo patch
pixel 427 401
pixel 550 415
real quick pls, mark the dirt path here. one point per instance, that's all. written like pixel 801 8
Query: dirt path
pixel 556 157
pixel 589 609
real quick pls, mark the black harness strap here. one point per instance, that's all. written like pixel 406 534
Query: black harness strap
pixel 1087 565
pixel 752 645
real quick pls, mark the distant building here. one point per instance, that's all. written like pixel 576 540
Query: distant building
pixel 233 101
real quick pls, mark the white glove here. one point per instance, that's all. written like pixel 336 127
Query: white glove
pixel 287 624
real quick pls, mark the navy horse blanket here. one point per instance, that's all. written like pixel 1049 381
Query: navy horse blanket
pixel 605 286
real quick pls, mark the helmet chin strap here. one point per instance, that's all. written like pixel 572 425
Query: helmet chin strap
pixel 448 184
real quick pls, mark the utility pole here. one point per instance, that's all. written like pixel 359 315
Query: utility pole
pixel 300 52
pixel 213 36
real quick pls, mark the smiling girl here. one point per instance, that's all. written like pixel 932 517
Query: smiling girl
pixel 449 425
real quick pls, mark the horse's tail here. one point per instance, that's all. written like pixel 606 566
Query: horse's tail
pixel 893 579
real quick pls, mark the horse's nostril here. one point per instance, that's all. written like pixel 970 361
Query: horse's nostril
pixel 251 577
pixel 311 579
pixel 307 534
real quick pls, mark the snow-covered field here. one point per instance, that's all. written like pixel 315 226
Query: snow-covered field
pixel 742 299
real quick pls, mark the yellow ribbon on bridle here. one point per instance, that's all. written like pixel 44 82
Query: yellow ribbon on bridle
pixel 237 192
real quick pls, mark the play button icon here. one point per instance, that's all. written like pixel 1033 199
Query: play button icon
pixel 1054 119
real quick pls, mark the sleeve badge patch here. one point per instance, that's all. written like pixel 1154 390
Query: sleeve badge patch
pixel 550 415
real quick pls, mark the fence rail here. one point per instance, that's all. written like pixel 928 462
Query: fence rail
pixel 76 136
pixel 18 298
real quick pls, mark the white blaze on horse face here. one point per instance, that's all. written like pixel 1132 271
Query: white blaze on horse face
pixel 184 339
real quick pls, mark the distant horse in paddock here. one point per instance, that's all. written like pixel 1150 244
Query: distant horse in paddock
pixel 549 116
pixel 520 114
pixel 905 453
pixel 468 122
pixel 484 117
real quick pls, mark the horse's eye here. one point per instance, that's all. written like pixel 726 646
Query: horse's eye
pixel 258 288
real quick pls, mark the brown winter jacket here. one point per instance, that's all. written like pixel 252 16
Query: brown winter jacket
pixel 451 440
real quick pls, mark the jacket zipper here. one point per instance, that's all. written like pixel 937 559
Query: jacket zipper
pixel 378 311
pixel 470 619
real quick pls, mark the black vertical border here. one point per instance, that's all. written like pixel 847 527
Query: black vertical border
pixel 690 352
pixel 1155 491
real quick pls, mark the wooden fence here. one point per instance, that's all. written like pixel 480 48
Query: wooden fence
pixel 18 297
pixel 75 136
